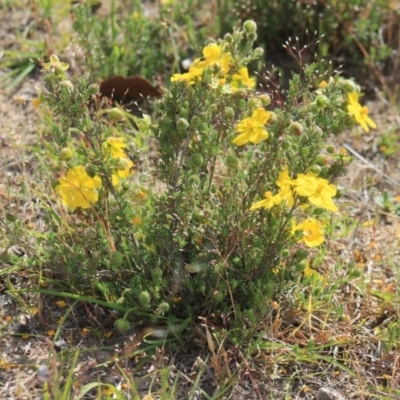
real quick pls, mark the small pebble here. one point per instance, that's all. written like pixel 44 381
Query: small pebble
pixel 43 374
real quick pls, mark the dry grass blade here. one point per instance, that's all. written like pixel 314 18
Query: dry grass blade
pixel 364 160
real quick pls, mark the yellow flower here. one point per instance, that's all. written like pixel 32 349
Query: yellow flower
pixel 308 271
pixel 137 220
pixel 78 189
pixel 318 190
pixel 224 60
pixel 269 201
pixel 252 129
pixel 122 174
pixel 39 99
pixel 312 232
pixel 359 113
pixel 217 83
pixel 61 303
pixel 212 54
pixel 55 64
pixel 242 79
pixel 285 184
pixel 190 76
pixel 115 146
pixel 141 195
pixel 322 85
pixel 36 102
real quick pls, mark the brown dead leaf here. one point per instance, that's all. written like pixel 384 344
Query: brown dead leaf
pixel 127 89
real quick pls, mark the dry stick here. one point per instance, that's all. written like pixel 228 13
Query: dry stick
pixel 364 160
pixel 373 67
pixel 388 178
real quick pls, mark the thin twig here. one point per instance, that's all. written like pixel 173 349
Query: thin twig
pixel 364 160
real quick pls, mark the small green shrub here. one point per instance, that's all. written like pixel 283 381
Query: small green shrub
pixel 129 41
pixel 240 193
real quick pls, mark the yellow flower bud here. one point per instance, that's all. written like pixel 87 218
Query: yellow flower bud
pixel 66 154
pixel 144 298
pixel 258 52
pixel 251 37
pixel 321 159
pixel 322 101
pixel 163 307
pixel 115 114
pixel 285 253
pixel 122 164
pixel 254 103
pixel 240 93
pixel 116 259
pixel 315 169
pixel 156 273
pixel 196 160
pixel 273 119
pixel 91 170
pixel 93 89
pixel 228 38
pixel 349 86
pixel 67 84
pixel 182 124
pixel 295 128
pixel 265 99
pixel 232 162
pixel 330 149
pixel 229 113
pixel 121 325
pixel 249 26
